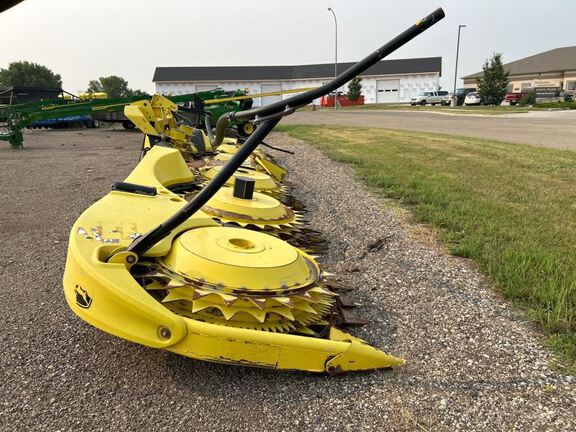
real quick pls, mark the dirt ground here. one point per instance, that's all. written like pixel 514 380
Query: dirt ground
pixel 472 362
pixel 554 129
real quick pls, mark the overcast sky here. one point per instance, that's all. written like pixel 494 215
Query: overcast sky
pixel 83 40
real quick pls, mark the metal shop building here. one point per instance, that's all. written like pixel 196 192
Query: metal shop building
pixel 389 81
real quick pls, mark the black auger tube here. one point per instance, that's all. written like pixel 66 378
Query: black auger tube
pixel 340 80
pixel 273 112
pixel 7 4
pixel 145 242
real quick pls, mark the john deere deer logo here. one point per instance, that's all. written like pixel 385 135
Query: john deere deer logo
pixel 82 298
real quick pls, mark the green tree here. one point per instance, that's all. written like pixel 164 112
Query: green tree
pixel 113 85
pixel 94 86
pixel 355 88
pixel 138 92
pixel 528 98
pixel 28 74
pixel 493 85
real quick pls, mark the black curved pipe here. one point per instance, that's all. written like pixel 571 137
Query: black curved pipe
pixel 306 98
pixel 7 4
pixel 272 113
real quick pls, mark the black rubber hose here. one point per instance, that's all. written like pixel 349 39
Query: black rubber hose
pixel 7 4
pixel 343 78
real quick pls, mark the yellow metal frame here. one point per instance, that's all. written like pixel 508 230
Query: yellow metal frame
pixel 155 117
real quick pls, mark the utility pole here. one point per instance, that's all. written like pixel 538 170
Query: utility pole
pixel 454 98
pixel 335 56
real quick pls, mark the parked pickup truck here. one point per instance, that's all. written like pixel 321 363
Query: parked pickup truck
pixel 432 97
pixel 513 98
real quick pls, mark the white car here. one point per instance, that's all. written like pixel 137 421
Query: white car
pixel 473 99
pixel 432 97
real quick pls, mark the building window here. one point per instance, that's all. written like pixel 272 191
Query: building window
pixel 570 85
pixel 526 86
pixel 510 88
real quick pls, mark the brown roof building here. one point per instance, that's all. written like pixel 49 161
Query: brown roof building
pixel 554 68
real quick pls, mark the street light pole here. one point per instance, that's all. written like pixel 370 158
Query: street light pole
pixel 454 98
pixel 335 56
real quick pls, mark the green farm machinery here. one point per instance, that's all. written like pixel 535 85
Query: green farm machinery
pixel 212 103
pixel 202 109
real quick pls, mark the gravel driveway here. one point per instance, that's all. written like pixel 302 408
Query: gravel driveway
pixel 472 363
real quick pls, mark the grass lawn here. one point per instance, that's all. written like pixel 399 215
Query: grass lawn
pixel 509 207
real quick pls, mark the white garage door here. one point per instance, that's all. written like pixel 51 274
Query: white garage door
pixel 387 91
pixel 267 88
